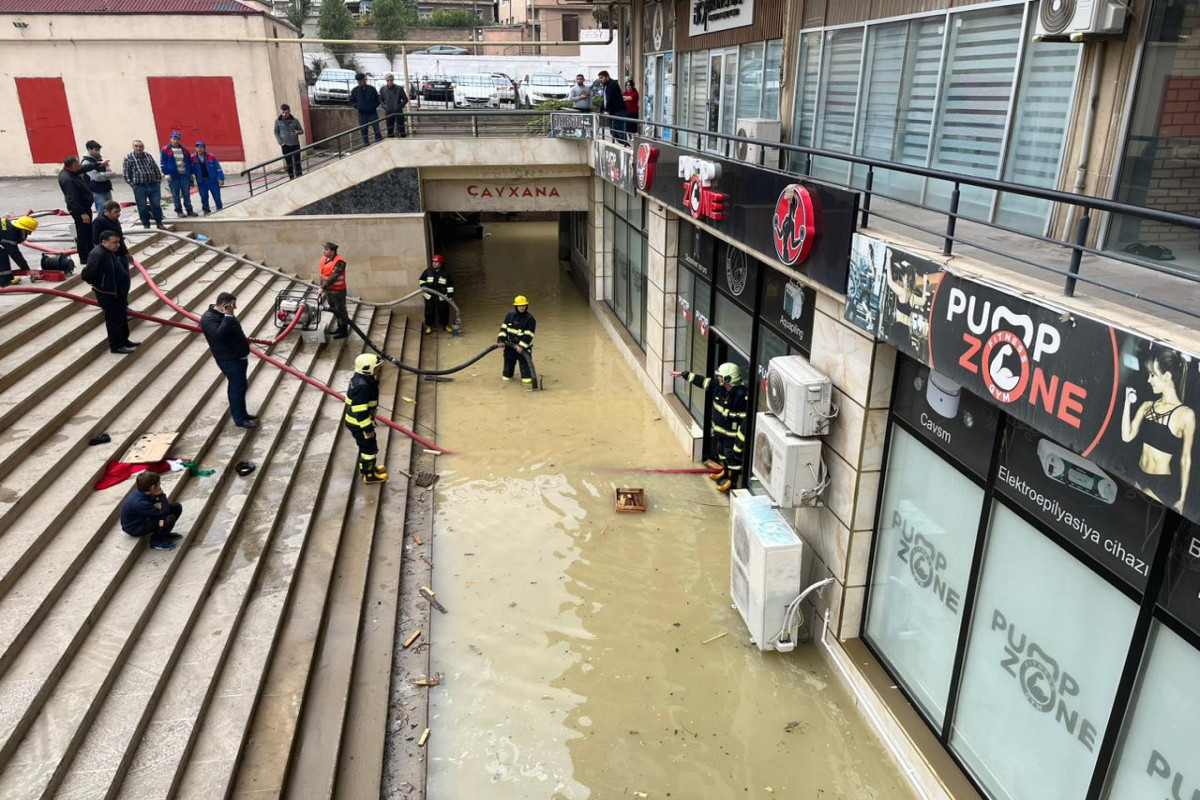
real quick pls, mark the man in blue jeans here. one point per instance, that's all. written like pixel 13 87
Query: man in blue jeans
pixel 143 175
pixel 176 163
pixel 231 350
pixel 365 99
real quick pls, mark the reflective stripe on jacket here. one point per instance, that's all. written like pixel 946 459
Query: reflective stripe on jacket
pixel 362 401
pixel 437 279
pixel 728 408
pixel 333 279
pixel 517 328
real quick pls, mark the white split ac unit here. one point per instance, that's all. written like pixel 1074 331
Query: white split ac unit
pixel 766 556
pixel 789 466
pixel 800 395
pixel 1077 20
pixel 768 129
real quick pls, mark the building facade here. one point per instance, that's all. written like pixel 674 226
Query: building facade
pixel 1009 519
pixel 70 72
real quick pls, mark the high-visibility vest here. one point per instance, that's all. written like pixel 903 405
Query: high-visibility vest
pixel 327 267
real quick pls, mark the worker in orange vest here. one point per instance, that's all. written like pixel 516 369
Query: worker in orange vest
pixel 333 288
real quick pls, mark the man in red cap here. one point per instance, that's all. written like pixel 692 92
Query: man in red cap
pixel 437 310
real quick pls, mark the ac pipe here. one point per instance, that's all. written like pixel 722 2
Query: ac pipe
pixel 1089 130
pixel 869 711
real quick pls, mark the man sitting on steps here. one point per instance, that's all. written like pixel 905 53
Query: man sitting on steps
pixel 147 512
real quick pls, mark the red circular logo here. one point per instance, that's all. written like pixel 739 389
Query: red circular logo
pixel 693 196
pixel 1006 374
pixel 794 225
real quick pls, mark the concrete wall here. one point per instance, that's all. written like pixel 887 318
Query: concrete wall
pixel 386 254
pixel 106 86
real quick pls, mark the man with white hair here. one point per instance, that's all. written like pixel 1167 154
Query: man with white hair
pixel 393 98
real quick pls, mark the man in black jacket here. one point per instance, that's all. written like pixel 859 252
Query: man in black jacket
pixel 148 512
pixel 108 274
pixel 365 99
pixel 516 337
pixel 613 105
pixel 79 201
pixel 110 220
pixel 231 350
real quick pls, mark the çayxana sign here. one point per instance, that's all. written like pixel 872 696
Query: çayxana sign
pixel 1118 399
pixel 795 223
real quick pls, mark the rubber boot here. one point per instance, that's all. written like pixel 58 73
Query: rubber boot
pixel 374 477
pixel 428 329
pixel 716 477
pixel 725 486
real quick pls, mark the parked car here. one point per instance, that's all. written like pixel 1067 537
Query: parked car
pixel 475 91
pixel 333 86
pixel 443 50
pixel 506 88
pixel 537 87
pixel 436 89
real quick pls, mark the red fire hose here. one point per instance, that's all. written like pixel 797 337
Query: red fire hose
pixel 192 328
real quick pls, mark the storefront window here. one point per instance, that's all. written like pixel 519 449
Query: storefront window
pixel 750 81
pixel 1164 135
pixel 772 75
pixel 928 523
pixel 1159 753
pixel 1047 645
pixel 691 338
pixel 736 326
pixel 625 286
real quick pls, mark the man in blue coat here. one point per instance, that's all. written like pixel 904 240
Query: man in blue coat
pixel 148 512
pixel 209 177
pixel 175 160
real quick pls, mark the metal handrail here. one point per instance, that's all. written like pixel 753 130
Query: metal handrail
pixel 617 128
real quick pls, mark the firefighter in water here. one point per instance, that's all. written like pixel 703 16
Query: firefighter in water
pixel 728 421
pixel 333 287
pixel 516 336
pixel 437 310
pixel 12 233
pixel 362 402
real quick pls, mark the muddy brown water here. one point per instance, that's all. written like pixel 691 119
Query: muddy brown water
pixel 572 651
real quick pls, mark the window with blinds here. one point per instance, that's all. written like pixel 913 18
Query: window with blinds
pixel 838 100
pixel 750 81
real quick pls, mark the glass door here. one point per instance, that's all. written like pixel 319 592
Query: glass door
pixel 723 350
pixel 713 104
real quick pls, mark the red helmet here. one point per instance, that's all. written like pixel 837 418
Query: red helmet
pixel 437 259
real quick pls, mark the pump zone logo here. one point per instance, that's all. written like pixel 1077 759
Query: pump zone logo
pixel 794 225
pixel 925 561
pixel 699 198
pixel 1039 363
pixel 1046 686
pixel 647 157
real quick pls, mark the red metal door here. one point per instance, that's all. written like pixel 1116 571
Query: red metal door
pixel 203 109
pixel 47 119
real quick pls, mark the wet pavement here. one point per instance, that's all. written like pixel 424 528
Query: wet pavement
pixel 573 656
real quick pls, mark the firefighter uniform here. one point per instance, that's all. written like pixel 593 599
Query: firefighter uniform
pixel 12 233
pixel 362 402
pixel 333 285
pixel 728 422
pixel 517 331
pixel 437 310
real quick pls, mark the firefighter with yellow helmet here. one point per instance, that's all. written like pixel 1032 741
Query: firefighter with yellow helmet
pixel 516 336
pixel 362 403
pixel 728 420
pixel 12 233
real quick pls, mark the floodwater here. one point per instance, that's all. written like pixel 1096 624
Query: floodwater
pixel 573 656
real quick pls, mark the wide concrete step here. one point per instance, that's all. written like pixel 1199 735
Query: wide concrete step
pixel 205 597
pixel 73 654
pixel 207 728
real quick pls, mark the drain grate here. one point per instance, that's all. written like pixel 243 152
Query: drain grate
pixel 425 478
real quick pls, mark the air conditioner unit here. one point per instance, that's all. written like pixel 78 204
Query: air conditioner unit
pixel 768 129
pixel 766 556
pixel 800 395
pixel 1077 20
pixel 788 466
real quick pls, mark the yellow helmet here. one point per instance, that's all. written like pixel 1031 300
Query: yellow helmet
pixel 520 300
pixel 367 364
pixel 26 224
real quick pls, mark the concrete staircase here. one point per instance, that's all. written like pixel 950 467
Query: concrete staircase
pixel 241 662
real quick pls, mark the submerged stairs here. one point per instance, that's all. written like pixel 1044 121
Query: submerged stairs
pixel 256 659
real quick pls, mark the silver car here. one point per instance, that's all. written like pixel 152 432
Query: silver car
pixel 333 86
pixel 475 91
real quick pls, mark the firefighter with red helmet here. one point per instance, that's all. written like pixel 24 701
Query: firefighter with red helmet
pixel 437 309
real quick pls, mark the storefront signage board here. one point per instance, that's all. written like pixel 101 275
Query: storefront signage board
pixel 1122 401
pixel 697 250
pixel 710 16
pixel 615 165
pixel 1181 592
pixel 572 126
pixel 788 306
pixel 658 26
pixel 812 236
pixel 737 275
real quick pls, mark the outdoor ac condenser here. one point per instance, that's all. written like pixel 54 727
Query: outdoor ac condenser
pixel 799 395
pixel 768 129
pixel 1079 20
pixel 766 556
pixel 789 466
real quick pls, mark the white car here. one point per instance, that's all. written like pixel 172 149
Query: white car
pixel 537 87
pixel 475 91
pixel 333 86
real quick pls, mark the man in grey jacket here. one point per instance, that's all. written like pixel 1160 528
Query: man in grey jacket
pixel 393 98
pixel 288 131
pixel 580 95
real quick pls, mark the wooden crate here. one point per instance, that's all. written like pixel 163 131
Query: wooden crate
pixel 631 501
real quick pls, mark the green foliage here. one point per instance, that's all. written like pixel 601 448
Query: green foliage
pixel 392 19
pixel 336 22
pixel 297 12
pixel 603 16
pixel 447 18
pixel 540 124
pixel 316 64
